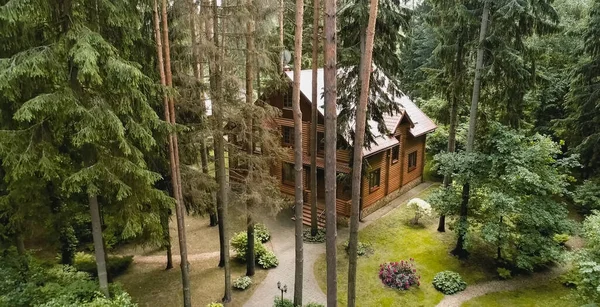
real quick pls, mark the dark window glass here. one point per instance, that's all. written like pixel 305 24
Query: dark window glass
pixel 395 154
pixel 287 99
pixel 412 160
pixel 287 173
pixel 288 136
pixel 321 141
pixel 374 179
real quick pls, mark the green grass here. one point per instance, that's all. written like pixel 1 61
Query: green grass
pixel 394 239
pixel 547 295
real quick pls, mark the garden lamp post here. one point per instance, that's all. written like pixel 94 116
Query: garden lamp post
pixel 282 289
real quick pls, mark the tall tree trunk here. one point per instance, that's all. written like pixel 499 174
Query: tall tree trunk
pixel 250 61
pixel 281 46
pixel 99 245
pixel 166 80
pixel 455 99
pixel 164 221
pixel 298 165
pixel 330 82
pixel 20 243
pixel 314 147
pixel 359 139
pixel 222 194
pixel 459 250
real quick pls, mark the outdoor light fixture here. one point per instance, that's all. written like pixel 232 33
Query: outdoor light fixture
pixel 282 289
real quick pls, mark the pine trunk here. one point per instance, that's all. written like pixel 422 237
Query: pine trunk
pixel 99 245
pixel 164 221
pixel 164 63
pixel 330 82
pixel 298 165
pixel 314 147
pixel 281 46
pixel 250 257
pixel 221 177
pixel 20 244
pixel 359 139
pixel 459 250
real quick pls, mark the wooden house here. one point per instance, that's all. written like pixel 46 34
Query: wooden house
pixel 395 162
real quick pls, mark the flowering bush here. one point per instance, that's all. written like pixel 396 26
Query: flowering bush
pixel 421 208
pixel 399 275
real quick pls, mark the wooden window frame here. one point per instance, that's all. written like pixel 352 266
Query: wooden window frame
pixel 285 180
pixel 287 139
pixel 412 161
pixel 372 186
pixel 288 97
pixel 320 142
pixel 396 152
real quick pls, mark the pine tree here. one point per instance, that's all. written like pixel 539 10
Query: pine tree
pixel 361 119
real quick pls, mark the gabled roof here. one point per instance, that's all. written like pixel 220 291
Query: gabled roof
pixel 421 124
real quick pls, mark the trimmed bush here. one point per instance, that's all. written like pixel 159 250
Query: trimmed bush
pixel 215 305
pixel 421 209
pixel 268 260
pixel 319 238
pixel 504 273
pixel 239 243
pixel 278 302
pixel 314 305
pixel 448 282
pixel 116 265
pixel 399 275
pixel 261 232
pixel 242 282
pixel 363 249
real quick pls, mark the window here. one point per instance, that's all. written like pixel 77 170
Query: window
pixel 395 154
pixel 287 173
pixel 320 141
pixel 288 136
pixel 287 100
pixel 412 161
pixel 374 180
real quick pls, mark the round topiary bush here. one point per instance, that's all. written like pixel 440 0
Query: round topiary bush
pixel 268 260
pixel 261 232
pixel 399 275
pixel 448 282
pixel 242 282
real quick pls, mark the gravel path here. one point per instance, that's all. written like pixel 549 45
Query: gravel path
pixel 282 243
pixel 517 283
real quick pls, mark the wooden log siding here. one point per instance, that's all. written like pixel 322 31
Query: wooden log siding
pixel 413 145
pixel 378 161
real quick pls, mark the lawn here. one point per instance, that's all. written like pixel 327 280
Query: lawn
pixel 394 239
pixel 551 294
pixel 151 285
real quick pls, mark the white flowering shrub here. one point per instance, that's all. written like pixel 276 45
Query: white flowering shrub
pixel 421 209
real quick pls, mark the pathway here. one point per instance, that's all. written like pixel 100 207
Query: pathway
pixel 283 244
pixel 163 258
pixel 517 283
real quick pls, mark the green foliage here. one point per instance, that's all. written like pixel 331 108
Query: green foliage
pixel 116 265
pixel 214 305
pixel 517 181
pixel 448 282
pixel 587 264
pixel 318 238
pixel 399 275
pixel 278 302
pixel 261 232
pixel 239 243
pixel 561 238
pixel 363 249
pixel 268 260
pixel 314 305
pixel 504 273
pixel 587 195
pixel 242 282
pixel 27 283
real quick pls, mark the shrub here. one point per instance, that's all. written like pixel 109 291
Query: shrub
pixel 343 221
pixel 504 273
pixel 363 249
pixel 239 243
pixel 242 282
pixel 261 232
pixel 561 238
pixel 448 282
pixel 116 265
pixel 587 195
pixel 399 275
pixel 319 238
pixel 421 209
pixel 215 305
pixel 268 260
pixel 314 305
pixel 278 302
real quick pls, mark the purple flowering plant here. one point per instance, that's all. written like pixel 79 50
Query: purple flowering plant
pixel 399 275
